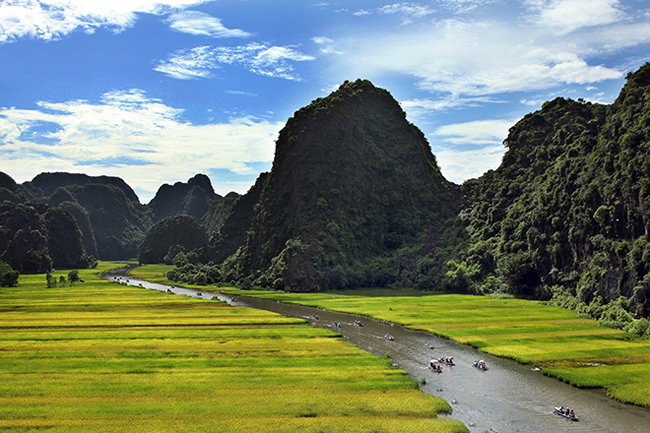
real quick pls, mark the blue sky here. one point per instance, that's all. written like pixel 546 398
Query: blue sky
pixel 157 91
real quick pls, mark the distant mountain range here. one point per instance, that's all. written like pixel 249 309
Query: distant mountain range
pixel 355 198
pixel 112 223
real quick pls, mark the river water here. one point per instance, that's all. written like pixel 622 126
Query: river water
pixel 507 398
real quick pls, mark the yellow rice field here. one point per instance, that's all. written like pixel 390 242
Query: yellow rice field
pixel 566 346
pixel 99 356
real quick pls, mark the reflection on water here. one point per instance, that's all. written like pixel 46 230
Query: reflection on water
pixel 508 397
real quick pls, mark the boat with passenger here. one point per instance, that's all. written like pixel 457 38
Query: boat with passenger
pixel 447 360
pixel 566 413
pixel 480 365
pixel 435 366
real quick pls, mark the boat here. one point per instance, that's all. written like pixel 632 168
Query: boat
pixel 429 346
pixel 566 413
pixel 434 366
pixel 389 337
pixel 447 360
pixel 480 365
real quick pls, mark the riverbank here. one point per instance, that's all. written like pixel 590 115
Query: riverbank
pixel 573 349
pixel 100 356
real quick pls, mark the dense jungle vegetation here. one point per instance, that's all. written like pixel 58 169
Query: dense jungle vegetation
pixel 566 214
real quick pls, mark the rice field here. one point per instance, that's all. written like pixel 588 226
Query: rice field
pixel 99 356
pixel 566 346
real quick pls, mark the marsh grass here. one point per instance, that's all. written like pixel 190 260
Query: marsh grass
pixel 569 347
pixel 100 356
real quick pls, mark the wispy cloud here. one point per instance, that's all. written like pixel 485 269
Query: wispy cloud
pixel 53 19
pixel 466 150
pixel 565 16
pixel 460 165
pixel 478 132
pixel 326 44
pixel 126 129
pixel 201 24
pixel 472 57
pixel 261 59
pixel 419 107
pixel 188 64
pixel 407 10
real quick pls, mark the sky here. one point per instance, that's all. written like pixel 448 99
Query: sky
pixel 155 92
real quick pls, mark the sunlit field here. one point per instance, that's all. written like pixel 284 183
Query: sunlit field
pixel 571 348
pixel 103 357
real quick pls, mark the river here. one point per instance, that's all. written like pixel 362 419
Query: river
pixel 507 398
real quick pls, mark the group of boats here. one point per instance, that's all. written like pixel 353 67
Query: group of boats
pixel 435 364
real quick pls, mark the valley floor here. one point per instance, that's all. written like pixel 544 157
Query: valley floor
pixel 573 349
pixel 100 356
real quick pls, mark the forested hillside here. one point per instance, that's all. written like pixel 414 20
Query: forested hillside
pixel 354 198
pixel 35 237
pixel 567 213
pixel 112 221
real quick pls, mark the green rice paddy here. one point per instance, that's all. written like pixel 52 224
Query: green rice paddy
pixel 566 346
pixel 99 356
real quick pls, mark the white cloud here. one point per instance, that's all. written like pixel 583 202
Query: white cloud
pixel 413 10
pixel 464 6
pixel 189 64
pixel 326 44
pixel 565 16
pixel 201 24
pixel 467 150
pixel 478 132
pixel 471 58
pixel 129 128
pixel 54 19
pixel 460 165
pixel 261 59
pixel 418 107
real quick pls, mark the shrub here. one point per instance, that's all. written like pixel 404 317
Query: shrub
pixel 8 276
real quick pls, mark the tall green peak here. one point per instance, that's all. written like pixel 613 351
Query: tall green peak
pixel 353 186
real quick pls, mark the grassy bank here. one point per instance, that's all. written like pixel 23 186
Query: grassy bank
pixel 571 348
pixel 99 356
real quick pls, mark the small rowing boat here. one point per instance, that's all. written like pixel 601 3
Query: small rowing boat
pixel 447 360
pixel 566 413
pixel 480 365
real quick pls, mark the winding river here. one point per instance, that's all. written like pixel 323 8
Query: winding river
pixel 507 398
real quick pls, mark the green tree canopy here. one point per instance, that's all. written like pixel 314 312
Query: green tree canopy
pixel 180 230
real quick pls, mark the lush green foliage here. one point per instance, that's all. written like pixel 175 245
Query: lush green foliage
pixel 565 344
pixel 567 211
pixel 355 197
pixel 171 236
pixel 36 237
pixel 99 356
pixel 8 276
